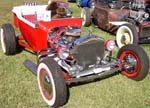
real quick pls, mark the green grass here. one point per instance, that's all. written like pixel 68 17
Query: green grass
pixel 19 89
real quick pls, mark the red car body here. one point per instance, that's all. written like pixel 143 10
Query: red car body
pixel 34 31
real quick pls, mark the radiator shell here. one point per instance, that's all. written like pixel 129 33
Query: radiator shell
pixel 87 52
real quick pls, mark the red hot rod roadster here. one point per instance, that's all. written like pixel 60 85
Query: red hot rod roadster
pixel 64 56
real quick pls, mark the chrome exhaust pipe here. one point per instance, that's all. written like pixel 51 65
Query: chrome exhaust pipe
pixel 92 71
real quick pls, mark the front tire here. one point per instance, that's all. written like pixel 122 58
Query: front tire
pixel 86 16
pixel 51 83
pixel 8 39
pixel 135 63
pixel 126 34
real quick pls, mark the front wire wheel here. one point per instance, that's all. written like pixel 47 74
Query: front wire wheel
pixel 51 83
pixel 135 63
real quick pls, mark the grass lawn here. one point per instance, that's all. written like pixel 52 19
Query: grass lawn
pixel 19 88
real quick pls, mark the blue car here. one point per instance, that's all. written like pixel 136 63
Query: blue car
pixel 86 3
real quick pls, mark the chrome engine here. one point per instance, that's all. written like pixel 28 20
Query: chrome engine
pixel 138 12
pixel 78 55
pixel 85 55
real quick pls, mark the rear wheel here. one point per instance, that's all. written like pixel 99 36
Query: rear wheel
pixel 135 64
pixel 86 16
pixel 8 39
pixel 51 83
pixel 126 34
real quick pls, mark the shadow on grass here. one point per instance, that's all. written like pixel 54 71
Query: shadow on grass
pixel 20 49
pixel 87 82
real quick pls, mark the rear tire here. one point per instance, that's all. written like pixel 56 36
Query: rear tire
pixel 135 56
pixel 51 83
pixel 86 16
pixel 126 34
pixel 8 39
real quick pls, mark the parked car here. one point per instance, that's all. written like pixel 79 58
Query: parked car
pixel 63 55
pixel 129 19
pixel 86 3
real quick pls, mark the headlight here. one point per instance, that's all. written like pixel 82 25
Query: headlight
pixel 146 15
pixel 63 53
pixel 109 45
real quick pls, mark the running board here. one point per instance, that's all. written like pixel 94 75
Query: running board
pixel 31 66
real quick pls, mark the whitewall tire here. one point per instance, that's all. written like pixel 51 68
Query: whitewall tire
pixel 126 34
pixel 51 83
